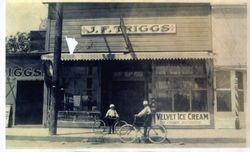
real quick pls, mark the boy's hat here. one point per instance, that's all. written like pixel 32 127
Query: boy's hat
pixel 145 102
pixel 111 105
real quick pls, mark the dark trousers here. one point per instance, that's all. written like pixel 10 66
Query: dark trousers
pixel 111 123
pixel 143 122
pixel 145 131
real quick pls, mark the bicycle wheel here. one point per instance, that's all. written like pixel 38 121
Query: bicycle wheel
pixel 99 126
pixel 127 133
pixel 119 124
pixel 156 134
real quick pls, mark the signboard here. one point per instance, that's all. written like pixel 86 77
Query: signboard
pixel 77 101
pixel 26 71
pixel 128 75
pixel 130 29
pixel 183 118
pixel 7 115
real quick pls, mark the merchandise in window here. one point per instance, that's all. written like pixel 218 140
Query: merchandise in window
pixel 164 103
pixel 199 101
pixel 181 102
pixel 181 86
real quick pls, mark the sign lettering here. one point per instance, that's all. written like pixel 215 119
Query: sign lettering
pixel 183 118
pixel 128 74
pixel 27 71
pixel 130 29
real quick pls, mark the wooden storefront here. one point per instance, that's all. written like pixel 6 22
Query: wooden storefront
pixel 172 59
pixel 25 89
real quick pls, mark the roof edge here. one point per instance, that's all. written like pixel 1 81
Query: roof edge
pixel 125 1
pixel 213 2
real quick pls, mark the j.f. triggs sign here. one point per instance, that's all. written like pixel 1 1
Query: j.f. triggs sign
pixel 183 118
pixel 130 29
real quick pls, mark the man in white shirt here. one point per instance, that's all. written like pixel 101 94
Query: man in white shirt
pixel 145 113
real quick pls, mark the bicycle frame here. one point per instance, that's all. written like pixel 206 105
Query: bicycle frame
pixel 138 128
pixel 156 137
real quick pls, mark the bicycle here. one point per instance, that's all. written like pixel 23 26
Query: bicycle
pixel 118 124
pixel 155 133
pixel 100 126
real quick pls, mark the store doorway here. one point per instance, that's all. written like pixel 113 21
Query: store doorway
pixel 29 103
pixel 128 97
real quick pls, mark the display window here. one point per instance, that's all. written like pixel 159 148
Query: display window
pixel 181 86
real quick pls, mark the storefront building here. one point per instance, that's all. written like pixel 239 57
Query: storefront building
pixel 229 26
pixel 173 61
pixel 24 90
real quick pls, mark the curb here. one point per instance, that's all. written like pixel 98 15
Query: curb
pixel 116 140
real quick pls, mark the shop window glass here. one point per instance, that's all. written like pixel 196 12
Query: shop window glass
pixel 200 83
pixel 181 102
pixel 164 84
pixel 160 70
pixel 199 101
pixel 164 103
pixel 224 101
pixel 187 83
pixel 239 75
pixel 223 79
pixel 199 70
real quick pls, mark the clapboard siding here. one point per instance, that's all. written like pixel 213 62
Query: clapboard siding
pixel 193 27
pixel 113 10
pixel 138 44
pixel 89 10
pixel 185 21
pixel 135 38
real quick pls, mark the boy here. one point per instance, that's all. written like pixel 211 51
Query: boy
pixel 111 116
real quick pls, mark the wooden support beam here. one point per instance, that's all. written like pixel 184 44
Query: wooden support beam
pixel 56 70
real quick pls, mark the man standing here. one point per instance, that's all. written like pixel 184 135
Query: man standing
pixel 145 114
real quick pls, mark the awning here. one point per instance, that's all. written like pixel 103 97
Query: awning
pixel 130 56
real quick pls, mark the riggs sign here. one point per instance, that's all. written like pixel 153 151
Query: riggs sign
pixel 29 71
pixel 183 118
pixel 131 29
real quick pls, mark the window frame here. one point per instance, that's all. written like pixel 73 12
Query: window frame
pixel 231 89
pixel 159 76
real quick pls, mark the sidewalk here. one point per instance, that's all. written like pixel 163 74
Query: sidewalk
pixel 86 135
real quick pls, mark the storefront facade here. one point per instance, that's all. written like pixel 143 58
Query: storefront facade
pixel 24 90
pixel 229 26
pixel 172 60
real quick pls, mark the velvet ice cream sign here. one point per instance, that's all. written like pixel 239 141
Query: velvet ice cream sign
pixel 183 118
